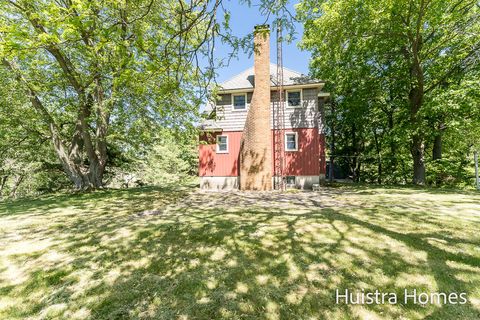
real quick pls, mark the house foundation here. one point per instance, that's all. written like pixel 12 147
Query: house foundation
pixel 233 183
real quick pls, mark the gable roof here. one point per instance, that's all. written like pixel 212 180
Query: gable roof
pixel 246 79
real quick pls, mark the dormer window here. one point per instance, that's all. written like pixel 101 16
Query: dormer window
pixel 239 101
pixel 294 98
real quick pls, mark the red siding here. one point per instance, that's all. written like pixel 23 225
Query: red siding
pixel 309 160
pixel 305 161
pixel 219 164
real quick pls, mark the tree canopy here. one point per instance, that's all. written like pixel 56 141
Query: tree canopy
pixel 90 87
pixel 404 76
pixel 96 72
pixel 97 79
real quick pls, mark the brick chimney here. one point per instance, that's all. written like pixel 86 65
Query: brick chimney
pixel 256 144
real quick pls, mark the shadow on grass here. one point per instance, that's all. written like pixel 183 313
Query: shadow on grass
pixel 371 188
pixel 234 256
pixel 57 201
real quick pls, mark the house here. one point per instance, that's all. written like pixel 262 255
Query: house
pixel 237 144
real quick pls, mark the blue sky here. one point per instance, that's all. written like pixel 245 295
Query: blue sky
pixel 243 19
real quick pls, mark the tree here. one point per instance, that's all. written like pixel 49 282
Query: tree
pixel 395 57
pixel 103 73
pixel 27 162
pixel 95 71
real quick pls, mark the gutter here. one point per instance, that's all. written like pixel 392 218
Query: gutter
pixel 273 88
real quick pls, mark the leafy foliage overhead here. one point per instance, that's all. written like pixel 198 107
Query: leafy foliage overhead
pixel 401 73
pixel 99 76
pixel 95 72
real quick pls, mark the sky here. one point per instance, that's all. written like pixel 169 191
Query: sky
pixel 243 19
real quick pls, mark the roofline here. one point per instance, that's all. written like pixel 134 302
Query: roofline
pixel 294 86
pixel 233 77
pixel 213 129
pixel 253 68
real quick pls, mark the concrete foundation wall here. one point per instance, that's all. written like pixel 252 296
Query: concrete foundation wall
pixel 306 182
pixel 232 183
pixel 219 183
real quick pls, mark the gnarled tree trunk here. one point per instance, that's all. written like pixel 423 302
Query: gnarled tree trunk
pixel 83 175
pixel 16 183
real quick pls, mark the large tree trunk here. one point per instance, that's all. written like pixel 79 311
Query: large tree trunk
pixel 86 142
pixel 418 152
pixel 17 181
pixel 416 95
pixel 437 147
pixel 84 179
pixel 417 147
pixel 83 176
pixel 357 171
pixel 3 181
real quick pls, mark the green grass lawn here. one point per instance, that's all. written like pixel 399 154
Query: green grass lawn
pixel 187 254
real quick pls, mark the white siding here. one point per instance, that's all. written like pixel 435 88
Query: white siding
pixel 305 117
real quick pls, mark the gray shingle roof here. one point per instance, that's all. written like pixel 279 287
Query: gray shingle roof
pixel 246 79
pixel 209 124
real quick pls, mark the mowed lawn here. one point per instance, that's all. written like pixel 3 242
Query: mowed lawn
pixel 153 253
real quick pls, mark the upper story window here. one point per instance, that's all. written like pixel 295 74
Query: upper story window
pixel 239 101
pixel 222 144
pixel 291 141
pixel 294 98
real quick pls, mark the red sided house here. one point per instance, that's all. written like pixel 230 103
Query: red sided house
pixel 237 144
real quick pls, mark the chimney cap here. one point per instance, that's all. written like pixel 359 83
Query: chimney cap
pixel 262 27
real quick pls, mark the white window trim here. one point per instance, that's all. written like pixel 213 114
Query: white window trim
pixel 296 142
pixel 301 98
pixel 217 146
pixel 246 102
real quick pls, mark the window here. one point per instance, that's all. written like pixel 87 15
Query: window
pixel 321 103
pixel 291 141
pixel 222 144
pixel 290 181
pixel 294 98
pixel 239 101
